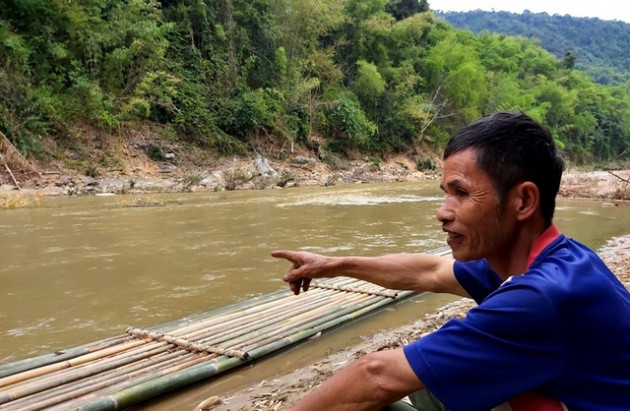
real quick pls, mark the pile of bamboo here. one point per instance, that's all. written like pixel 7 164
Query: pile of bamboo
pixel 141 364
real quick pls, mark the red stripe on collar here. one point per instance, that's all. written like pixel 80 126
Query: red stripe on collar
pixel 546 238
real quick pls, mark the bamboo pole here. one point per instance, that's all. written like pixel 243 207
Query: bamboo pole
pixel 185 344
pixel 197 318
pixel 65 364
pixel 255 322
pixel 72 381
pixel 305 323
pixel 54 380
pixel 61 355
pixel 224 314
pixel 96 387
pixel 250 322
pixel 143 388
pixel 157 386
pixel 236 317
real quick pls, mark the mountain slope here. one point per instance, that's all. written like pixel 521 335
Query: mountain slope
pixel 601 47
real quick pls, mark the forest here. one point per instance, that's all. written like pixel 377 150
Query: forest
pixel 598 46
pixel 335 76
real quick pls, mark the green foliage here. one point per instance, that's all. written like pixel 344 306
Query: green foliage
pixel 368 84
pixel 91 171
pixel 252 113
pixel 235 178
pixel 401 9
pixel 226 145
pixel 596 46
pixel 372 76
pixel 569 60
pixel 426 165
pixel 348 125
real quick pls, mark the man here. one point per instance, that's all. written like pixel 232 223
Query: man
pixel 552 326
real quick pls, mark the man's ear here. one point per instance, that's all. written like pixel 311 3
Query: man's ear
pixel 526 199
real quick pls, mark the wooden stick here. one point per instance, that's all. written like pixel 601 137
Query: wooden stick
pixel 9 171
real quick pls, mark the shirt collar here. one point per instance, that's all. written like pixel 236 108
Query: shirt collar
pixel 546 238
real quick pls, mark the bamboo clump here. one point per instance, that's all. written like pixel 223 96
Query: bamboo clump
pixel 141 364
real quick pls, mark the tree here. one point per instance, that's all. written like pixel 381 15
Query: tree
pixel 368 84
pixel 568 62
pixel 401 9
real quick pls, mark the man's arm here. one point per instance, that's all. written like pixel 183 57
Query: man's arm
pixel 418 272
pixel 369 383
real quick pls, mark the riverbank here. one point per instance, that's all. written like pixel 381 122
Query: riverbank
pixel 285 390
pixel 140 175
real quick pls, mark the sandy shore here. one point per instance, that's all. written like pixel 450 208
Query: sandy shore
pixel 285 390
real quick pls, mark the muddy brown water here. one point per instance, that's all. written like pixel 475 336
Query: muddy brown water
pixel 76 270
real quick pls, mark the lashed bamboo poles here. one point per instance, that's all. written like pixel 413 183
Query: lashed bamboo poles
pixel 62 355
pixel 123 371
pixel 44 387
pixel 75 385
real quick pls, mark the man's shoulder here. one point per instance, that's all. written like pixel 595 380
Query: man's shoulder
pixel 567 253
pixel 571 273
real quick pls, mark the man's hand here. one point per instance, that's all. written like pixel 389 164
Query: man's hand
pixel 306 266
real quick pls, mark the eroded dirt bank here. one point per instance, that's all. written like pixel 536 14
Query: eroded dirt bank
pixel 178 173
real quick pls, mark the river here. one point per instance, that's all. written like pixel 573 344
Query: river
pixel 79 269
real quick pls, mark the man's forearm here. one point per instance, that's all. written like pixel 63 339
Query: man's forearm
pixel 418 272
pixel 369 383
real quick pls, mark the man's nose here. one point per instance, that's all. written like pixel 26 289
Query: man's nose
pixel 445 212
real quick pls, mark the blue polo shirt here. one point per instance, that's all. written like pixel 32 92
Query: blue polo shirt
pixel 561 331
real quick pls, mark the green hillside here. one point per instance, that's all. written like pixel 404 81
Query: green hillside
pixel 600 47
pixel 242 76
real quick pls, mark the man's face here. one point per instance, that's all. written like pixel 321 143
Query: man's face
pixel 470 214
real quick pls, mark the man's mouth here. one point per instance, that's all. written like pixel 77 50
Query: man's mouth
pixel 453 238
pixel 452 234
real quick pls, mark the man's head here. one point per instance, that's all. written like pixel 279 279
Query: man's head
pixel 512 148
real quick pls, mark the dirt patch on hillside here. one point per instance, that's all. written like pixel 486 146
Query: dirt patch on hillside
pixel 143 164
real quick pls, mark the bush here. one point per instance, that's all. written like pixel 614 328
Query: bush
pixel 226 145
pixel 194 118
pixel 234 178
pixel 348 125
pixel 155 153
pixel 253 112
pixel 426 165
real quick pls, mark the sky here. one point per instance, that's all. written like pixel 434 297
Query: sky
pixel 603 9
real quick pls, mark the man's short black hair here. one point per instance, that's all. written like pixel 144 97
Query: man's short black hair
pixel 513 148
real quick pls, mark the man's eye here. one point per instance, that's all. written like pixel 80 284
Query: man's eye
pixel 460 193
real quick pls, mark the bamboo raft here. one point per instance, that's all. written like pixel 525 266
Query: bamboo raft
pixel 141 364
